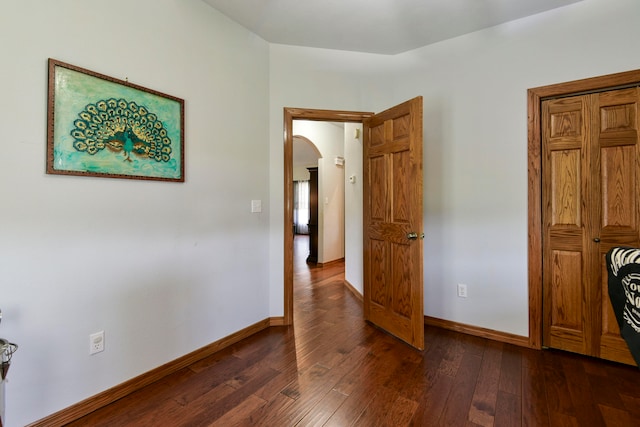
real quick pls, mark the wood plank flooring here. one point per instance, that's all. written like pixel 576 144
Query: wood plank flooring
pixel 334 369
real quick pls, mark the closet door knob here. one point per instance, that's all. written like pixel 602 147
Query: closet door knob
pixel 597 240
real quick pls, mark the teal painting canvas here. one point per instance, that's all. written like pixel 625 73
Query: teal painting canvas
pixel 101 126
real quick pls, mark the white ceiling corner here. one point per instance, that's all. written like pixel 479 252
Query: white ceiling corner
pixel 374 26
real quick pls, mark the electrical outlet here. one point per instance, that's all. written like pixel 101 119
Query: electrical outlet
pixel 462 290
pixel 96 342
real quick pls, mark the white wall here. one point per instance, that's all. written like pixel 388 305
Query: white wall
pixel 301 173
pixel 353 241
pixel 475 128
pixel 162 268
pixel 331 200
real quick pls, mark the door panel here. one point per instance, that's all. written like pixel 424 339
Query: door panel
pixel 615 128
pixel 401 197
pixel 590 204
pixel 378 285
pixel 618 197
pixel 565 143
pixel 567 329
pixel 377 188
pixel 392 205
pixel 566 191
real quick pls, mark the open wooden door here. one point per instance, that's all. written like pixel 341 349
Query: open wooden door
pixel 392 205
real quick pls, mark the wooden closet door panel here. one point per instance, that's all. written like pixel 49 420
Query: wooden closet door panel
pixel 591 203
pixel 616 181
pixel 565 154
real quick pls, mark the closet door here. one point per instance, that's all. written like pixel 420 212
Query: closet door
pixel 616 159
pixel 590 203
pixel 566 247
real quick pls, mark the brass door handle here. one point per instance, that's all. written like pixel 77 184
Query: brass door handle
pixel 414 236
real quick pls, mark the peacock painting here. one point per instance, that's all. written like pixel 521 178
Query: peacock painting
pixel 104 127
pixel 122 127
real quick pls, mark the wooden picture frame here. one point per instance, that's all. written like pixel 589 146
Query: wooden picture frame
pixel 104 127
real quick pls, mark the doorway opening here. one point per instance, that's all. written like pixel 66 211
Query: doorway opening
pixel 392 255
pixel 291 114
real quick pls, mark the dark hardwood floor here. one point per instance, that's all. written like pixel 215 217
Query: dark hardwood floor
pixel 333 369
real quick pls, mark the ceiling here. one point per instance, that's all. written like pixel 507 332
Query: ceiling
pixel 374 26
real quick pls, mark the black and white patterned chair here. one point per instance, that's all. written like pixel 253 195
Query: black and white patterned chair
pixel 623 265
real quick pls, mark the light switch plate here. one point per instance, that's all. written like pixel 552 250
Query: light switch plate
pixel 256 206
